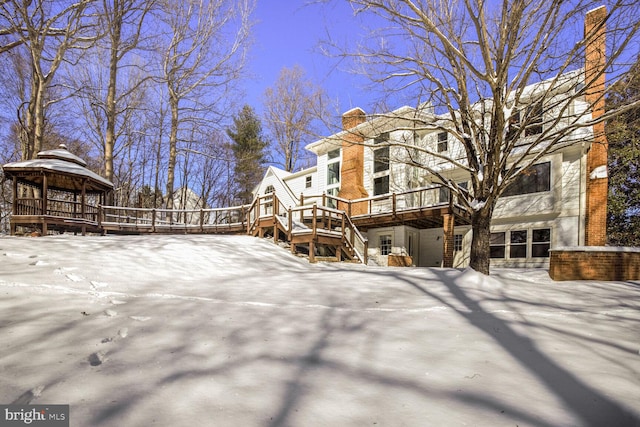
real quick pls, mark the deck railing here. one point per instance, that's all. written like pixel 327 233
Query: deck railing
pixel 157 219
pixel 322 219
pixel 423 197
pixel 308 219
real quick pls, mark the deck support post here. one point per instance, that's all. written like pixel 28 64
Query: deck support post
pixel 448 224
pixel 312 250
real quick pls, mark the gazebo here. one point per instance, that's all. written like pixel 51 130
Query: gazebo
pixel 55 191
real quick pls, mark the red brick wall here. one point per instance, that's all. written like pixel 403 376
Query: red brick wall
pixel 595 264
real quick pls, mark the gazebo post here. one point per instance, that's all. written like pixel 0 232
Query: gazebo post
pixel 14 208
pixel 82 206
pixel 44 191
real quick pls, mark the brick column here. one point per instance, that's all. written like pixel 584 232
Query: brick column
pixel 448 224
pixel 352 170
pixel 596 174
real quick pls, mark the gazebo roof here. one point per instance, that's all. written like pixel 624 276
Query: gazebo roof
pixel 64 171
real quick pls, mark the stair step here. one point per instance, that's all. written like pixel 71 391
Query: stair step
pixel 326 259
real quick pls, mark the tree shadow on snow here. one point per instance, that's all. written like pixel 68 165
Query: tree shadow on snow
pixel 589 405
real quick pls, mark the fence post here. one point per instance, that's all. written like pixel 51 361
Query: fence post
pixel 153 220
pixel 201 220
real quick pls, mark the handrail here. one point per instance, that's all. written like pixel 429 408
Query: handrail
pixel 330 219
pixel 357 237
pixel 157 217
pixel 424 200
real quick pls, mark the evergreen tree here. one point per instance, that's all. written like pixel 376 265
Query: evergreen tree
pixel 248 146
pixel 623 133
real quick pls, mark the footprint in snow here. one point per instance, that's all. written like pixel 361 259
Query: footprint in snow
pixel 122 333
pixel 26 397
pixel 140 318
pixel 97 285
pixel 64 270
pixel 110 313
pixel 39 263
pixel 74 277
pixel 117 302
pixel 97 358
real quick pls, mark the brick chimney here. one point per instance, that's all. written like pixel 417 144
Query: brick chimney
pixel 596 175
pixel 352 171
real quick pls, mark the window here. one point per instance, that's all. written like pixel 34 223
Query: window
pixel 442 142
pixel 333 154
pixel 308 181
pixel 381 185
pixel 443 195
pixel 385 244
pixel 457 242
pixel 333 173
pixel 535 179
pixel 383 137
pixel 269 189
pixel 497 248
pixel 381 159
pixel 541 243
pixel 513 128
pixel 533 117
pixel 534 124
pixel 518 248
pixel 333 176
pixel 332 203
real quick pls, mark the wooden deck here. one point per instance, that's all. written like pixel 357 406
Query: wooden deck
pixel 312 230
pixel 124 220
pixel 418 217
pixel 313 227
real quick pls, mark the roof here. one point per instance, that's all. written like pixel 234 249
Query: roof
pixel 64 171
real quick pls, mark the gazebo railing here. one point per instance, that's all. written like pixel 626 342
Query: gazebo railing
pixel 30 206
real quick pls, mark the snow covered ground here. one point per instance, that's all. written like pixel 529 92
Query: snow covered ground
pixel 235 331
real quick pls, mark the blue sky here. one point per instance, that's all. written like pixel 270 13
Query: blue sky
pixel 288 33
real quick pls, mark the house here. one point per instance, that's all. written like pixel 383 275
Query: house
pixel 405 213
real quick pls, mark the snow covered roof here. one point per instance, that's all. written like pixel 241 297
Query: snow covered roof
pixel 61 153
pixel 66 171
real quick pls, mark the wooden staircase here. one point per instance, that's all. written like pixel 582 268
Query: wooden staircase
pixel 320 232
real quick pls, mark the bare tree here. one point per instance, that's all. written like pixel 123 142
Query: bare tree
pixel 292 107
pixel 124 21
pixel 48 31
pixel 473 63
pixel 203 57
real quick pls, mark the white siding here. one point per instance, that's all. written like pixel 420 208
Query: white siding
pixel 298 183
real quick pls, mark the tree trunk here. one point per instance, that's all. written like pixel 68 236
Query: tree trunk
pixel 479 258
pixel 173 152
pixel 110 134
